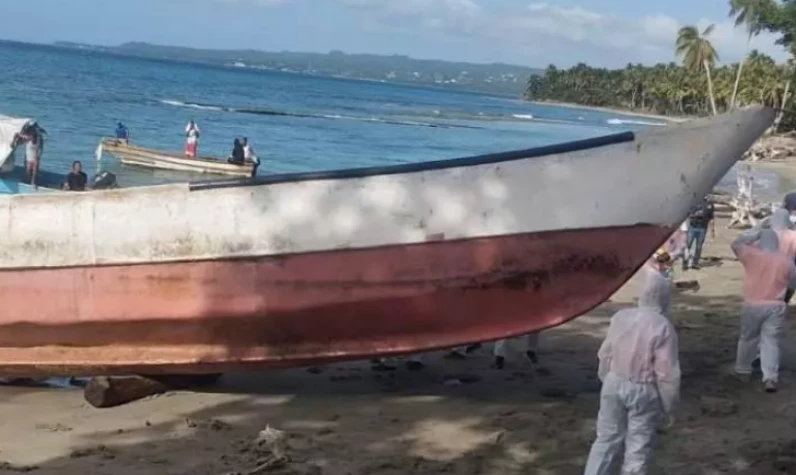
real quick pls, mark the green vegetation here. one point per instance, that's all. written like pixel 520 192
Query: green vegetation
pixel 697 86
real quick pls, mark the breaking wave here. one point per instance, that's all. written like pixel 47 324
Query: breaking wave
pixel 191 105
pixel 436 118
pixel 633 122
pixel 273 112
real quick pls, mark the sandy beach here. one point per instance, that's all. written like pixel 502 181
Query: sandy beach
pixel 456 417
pixel 627 112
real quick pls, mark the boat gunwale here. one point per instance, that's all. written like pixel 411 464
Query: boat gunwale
pixel 130 162
pixel 135 150
pixel 363 172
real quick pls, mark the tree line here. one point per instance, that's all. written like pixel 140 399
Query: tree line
pixel 698 84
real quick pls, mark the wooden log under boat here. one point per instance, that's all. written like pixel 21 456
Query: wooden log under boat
pixel 313 268
pixel 148 158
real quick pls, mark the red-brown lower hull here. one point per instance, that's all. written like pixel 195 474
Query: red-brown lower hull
pixel 308 308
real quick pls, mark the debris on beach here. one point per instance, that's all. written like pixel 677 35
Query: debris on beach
pixel 105 391
pixel 210 424
pixel 267 452
pixel 772 148
pixel 717 407
pixel 100 451
pixel 687 285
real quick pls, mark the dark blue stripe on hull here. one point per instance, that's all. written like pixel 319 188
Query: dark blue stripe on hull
pixel 420 167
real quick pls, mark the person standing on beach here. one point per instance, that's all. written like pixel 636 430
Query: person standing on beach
pixel 782 222
pixel 530 345
pixel 640 371
pixel 677 245
pixel 698 222
pixel 767 276
pixel 191 139
pixel 657 286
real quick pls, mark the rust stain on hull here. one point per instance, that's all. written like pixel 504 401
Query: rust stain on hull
pixel 309 308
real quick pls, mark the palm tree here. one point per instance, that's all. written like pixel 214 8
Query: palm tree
pixel 697 52
pixel 747 13
pixel 787 75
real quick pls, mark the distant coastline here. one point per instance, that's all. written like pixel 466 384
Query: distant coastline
pixel 626 112
pixel 371 69
pixel 494 78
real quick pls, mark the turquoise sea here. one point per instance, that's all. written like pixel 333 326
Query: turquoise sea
pixel 295 122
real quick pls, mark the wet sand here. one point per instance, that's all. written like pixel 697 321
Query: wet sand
pixel 455 417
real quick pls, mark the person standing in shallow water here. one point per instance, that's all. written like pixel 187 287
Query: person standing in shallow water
pixel 191 139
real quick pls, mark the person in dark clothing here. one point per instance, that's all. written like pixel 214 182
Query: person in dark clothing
pixel 238 153
pixel 698 222
pixel 122 133
pixel 76 180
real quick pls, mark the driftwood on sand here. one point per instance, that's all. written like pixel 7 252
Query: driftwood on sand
pixel 112 391
pixel 772 148
pixel 744 210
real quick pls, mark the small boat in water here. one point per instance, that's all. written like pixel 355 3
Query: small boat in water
pixel 14 182
pixel 313 268
pixel 149 158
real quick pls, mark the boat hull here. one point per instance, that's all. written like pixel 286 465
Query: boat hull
pixel 318 267
pixel 147 158
pixel 208 316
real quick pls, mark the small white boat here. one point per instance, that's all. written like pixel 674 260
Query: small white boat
pixel 312 268
pixel 12 176
pixel 149 158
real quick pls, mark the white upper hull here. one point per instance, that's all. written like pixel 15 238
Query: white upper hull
pixel 654 179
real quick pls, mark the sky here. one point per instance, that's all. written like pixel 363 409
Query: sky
pixel 607 33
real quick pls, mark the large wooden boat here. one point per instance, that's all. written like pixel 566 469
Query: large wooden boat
pixel 144 157
pixel 312 268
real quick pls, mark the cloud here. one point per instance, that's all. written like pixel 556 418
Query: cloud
pixel 444 15
pixel 551 33
pixel 259 3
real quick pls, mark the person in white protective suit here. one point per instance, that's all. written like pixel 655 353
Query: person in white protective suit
pixel 657 286
pixel 782 224
pixel 768 273
pixel 530 346
pixel 640 371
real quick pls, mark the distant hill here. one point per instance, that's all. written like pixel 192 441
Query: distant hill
pixel 496 78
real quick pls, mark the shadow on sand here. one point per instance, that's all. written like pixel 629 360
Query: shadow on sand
pixel 455 417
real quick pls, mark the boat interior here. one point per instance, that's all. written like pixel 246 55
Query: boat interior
pixel 14 182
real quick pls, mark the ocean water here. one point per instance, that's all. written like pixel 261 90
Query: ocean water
pixel 296 123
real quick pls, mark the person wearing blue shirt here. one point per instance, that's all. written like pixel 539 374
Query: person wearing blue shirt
pixel 122 133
